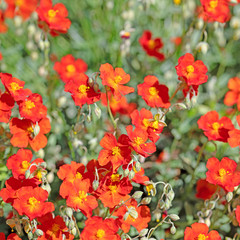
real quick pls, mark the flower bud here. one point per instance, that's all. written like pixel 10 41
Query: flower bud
pixel 95 184
pixel 73 231
pixel 171 195
pixel 173 230
pixel 27 174
pixel 17 21
pixel 229 196
pixel 138 166
pixel 89 119
pixel 36 129
pixel 71 224
pixel 146 200
pixel 43 164
pixel 126 172
pixel 151 188
pixel 133 213
pixel 207 222
pixel 69 212
pixel 143 232
pixel 30 235
pixel 39 232
pixel 97 111
pixel 137 194
pixel 174 217
pixel 131 175
pixel 47 188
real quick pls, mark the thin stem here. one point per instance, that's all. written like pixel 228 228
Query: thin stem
pixel 75 222
pixel 109 111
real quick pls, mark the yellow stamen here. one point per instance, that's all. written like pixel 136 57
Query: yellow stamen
pixel 222 172
pixel 213 4
pixel 78 175
pixel 190 69
pixel 216 126
pixel 83 89
pixel 149 188
pixel 52 13
pixel 113 188
pixel 29 104
pixel 116 151
pixel 138 140
pixel 25 164
pixel 117 79
pixel 33 201
pixel 202 237
pixel 177 2
pixel 100 233
pixel 82 196
pixel 71 68
pixel 115 177
pixel 153 91
pixel 55 227
pixel 14 86
pixel 18 3
pixel 151 44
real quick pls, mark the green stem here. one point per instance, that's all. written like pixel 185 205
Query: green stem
pixel 109 110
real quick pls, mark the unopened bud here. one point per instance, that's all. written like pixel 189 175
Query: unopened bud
pixel 143 232
pixel 173 230
pixel 36 129
pixel 73 231
pixel 229 196
pixel 41 44
pixel 43 164
pixel 27 174
pixel 17 21
pixel 89 119
pixel 95 184
pixel 138 166
pixel 137 194
pixel 47 188
pixel 30 235
pixel 171 195
pixel 125 216
pixel 69 212
pixel 71 224
pixel 131 175
pixel 174 217
pixel 39 232
pixel 46 44
pixel 146 200
pixel 207 222
pixel 97 111
pixel 150 187
pixel 133 213
pixel 126 172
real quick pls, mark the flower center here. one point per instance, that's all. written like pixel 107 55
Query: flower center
pixel 14 86
pixel 113 188
pixel 202 237
pixel 55 228
pixel 82 196
pixel 213 4
pixel 117 79
pixel 153 91
pixel 29 104
pixel 115 177
pixel 100 233
pixel 222 172
pixel 33 201
pixel 18 3
pixel 52 13
pixel 116 151
pixel 146 122
pixel 83 89
pixel 71 68
pixel 190 69
pixel 149 188
pixel 151 44
pixel 216 126
pixel 25 164
pixel 78 175
pixel 138 140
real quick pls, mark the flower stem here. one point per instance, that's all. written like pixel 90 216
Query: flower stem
pixel 109 111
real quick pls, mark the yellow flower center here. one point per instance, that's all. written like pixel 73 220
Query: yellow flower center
pixel 82 196
pixel 149 188
pixel 202 237
pixel 113 188
pixel 115 177
pixel 216 126
pixel 52 13
pixel 71 68
pixel 146 122
pixel 30 130
pixel 213 4
pixel 25 164
pixel 55 228
pixel 190 69
pixel 155 124
pixel 151 44
pixel 222 172
pixel 177 2
pixel 153 91
pixel 138 140
pixel 29 104
pixel 117 79
pixel 83 89
pixel 100 233
pixel 116 151
pixel 18 3
pixel 33 201
pixel 38 174
pixel 78 175
pixel 14 86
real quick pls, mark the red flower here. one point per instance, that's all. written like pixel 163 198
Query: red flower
pixel 215 128
pixel 192 73
pixel 233 96
pixel 216 10
pixel 68 68
pixel 205 190
pixel 3 25
pixel 6 104
pixel 15 87
pixel 200 231
pixel 140 222
pixel 23 8
pixel 12 236
pixel 53 18
pixel 115 80
pixel 98 229
pixel 237 212
pixel 26 132
pixel 31 202
pixel 223 173
pixel 151 46
pixel 154 94
pixel 234 135
pixel 138 141
pixel 81 91
pixel 116 152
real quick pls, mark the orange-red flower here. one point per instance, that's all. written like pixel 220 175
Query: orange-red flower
pixel 23 8
pixel 233 95
pixel 81 91
pixel 15 87
pixel 154 94
pixel 190 71
pixel 6 104
pixel 97 228
pixel 205 190
pixel 151 46
pixel 216 10
pixel 140 222
pixel 234 135
pixel 32 108
pixel 237 212
pixel 200 231
pixel 27 132
pixel 12 236
pixel 138 141
pixel 215 128
pixel 53 18
pixel 3 25
pixel 115 151
pixel 223 173
pixel 31 202
pixel 69 67
pixel 53 228
pixel 115 80
pixel 145 120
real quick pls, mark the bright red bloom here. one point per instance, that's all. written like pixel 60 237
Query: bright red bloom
pixel 214 128
pixel 81 91
pixel 190 71
pixel 234 135
pixel 115 80
pixel 98 229
pixel 12 236
pixel 23 8
pixel 145 120
pixel 32 108
pixel 118 106
pixel 151 46
pixel 200 231
pixel 205 190
pixel 138 141
pixel 223 173
pixel 3 25
pixel 26 132
pixel 237 212
pixel 142 220
pixel 233 95
pixel 116 152
pixel 139 176
pixel 216 10
pixel 78 198
pixel 154 94
pixel 53 228
pixel 6 104
pixel 69 67
pixel 31 202
pixel 15 87
pixel 53 18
